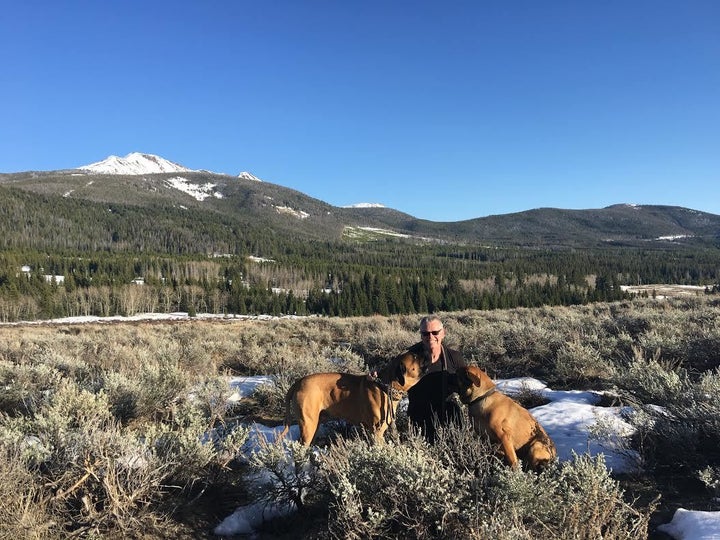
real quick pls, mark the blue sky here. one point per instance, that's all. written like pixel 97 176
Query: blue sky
pixel 445 110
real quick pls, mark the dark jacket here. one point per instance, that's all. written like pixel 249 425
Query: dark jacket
pixel 427 400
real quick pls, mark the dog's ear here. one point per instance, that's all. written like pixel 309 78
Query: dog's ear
pixel 480 379
pixel 474 377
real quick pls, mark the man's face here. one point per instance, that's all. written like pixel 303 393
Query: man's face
pixel 432 334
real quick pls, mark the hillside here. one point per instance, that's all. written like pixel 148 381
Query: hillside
pixel 243 202
pixel 76 242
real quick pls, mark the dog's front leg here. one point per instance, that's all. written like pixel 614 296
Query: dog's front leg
pixel 308 426
pixel 380 433
pixel 509 449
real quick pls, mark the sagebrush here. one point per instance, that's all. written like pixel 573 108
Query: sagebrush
pixel 127 429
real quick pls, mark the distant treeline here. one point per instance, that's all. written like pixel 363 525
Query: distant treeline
pixel 338 279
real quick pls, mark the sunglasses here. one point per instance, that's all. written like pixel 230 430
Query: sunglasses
pixel 433 332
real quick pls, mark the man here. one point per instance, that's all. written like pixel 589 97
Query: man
pixel 428 398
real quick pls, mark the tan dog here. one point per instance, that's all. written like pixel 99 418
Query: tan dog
pixel 358 399
pixel 504 420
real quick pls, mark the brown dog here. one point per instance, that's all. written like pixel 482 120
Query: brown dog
pixel 504 420
pixel 358 399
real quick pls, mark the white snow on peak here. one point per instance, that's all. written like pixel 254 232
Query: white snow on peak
pixel 365 205
pixel 135 163
pixel 248 176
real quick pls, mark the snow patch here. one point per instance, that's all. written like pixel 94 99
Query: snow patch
pixel 288 210
pixel 199 192
pixel 359 232
pixel 253 258
pixel 693 525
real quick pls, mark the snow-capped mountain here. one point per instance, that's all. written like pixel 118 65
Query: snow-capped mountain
pixel 365 205
pixel 248 176
pixel 138 163
pixel 135 163
pixel 236 201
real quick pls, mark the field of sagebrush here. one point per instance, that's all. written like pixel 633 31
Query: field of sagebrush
pixel 124 430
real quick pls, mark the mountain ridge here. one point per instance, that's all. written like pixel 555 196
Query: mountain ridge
pixel 146 180
pixel 134 163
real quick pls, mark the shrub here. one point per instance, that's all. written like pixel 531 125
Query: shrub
pixel 676 420
pixel 122 430
pixel 576 499
pixel 651 382
pixel 24 511
pixel 183 442
pixel 710 476
pixel 25 387
pixel 94 479
pixel 577 364
pixel 286 473
pixel 457 488
pixel 389 490
pixel 161 383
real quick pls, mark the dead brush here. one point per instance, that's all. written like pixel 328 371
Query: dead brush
pixel 110 430
pixel 25 510
pixel 529 397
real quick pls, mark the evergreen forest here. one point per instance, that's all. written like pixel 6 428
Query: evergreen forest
pixel 64 257
pixel 331 279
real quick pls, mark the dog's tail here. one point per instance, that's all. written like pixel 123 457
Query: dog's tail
pixel 289 410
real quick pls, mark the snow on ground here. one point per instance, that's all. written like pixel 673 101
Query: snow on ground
pixel 198 192
pixel 175 316
pixel 661 291
pixel 576 424
pixel 693 525
pixel 572 419
pixel 359 232
pixel 300 214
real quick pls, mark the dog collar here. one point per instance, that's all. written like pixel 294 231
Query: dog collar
pixel 394 393
pixel 485 395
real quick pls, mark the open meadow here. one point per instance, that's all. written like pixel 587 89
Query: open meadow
pixel 133 430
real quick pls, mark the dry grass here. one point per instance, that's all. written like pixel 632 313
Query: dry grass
pixel 124 430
